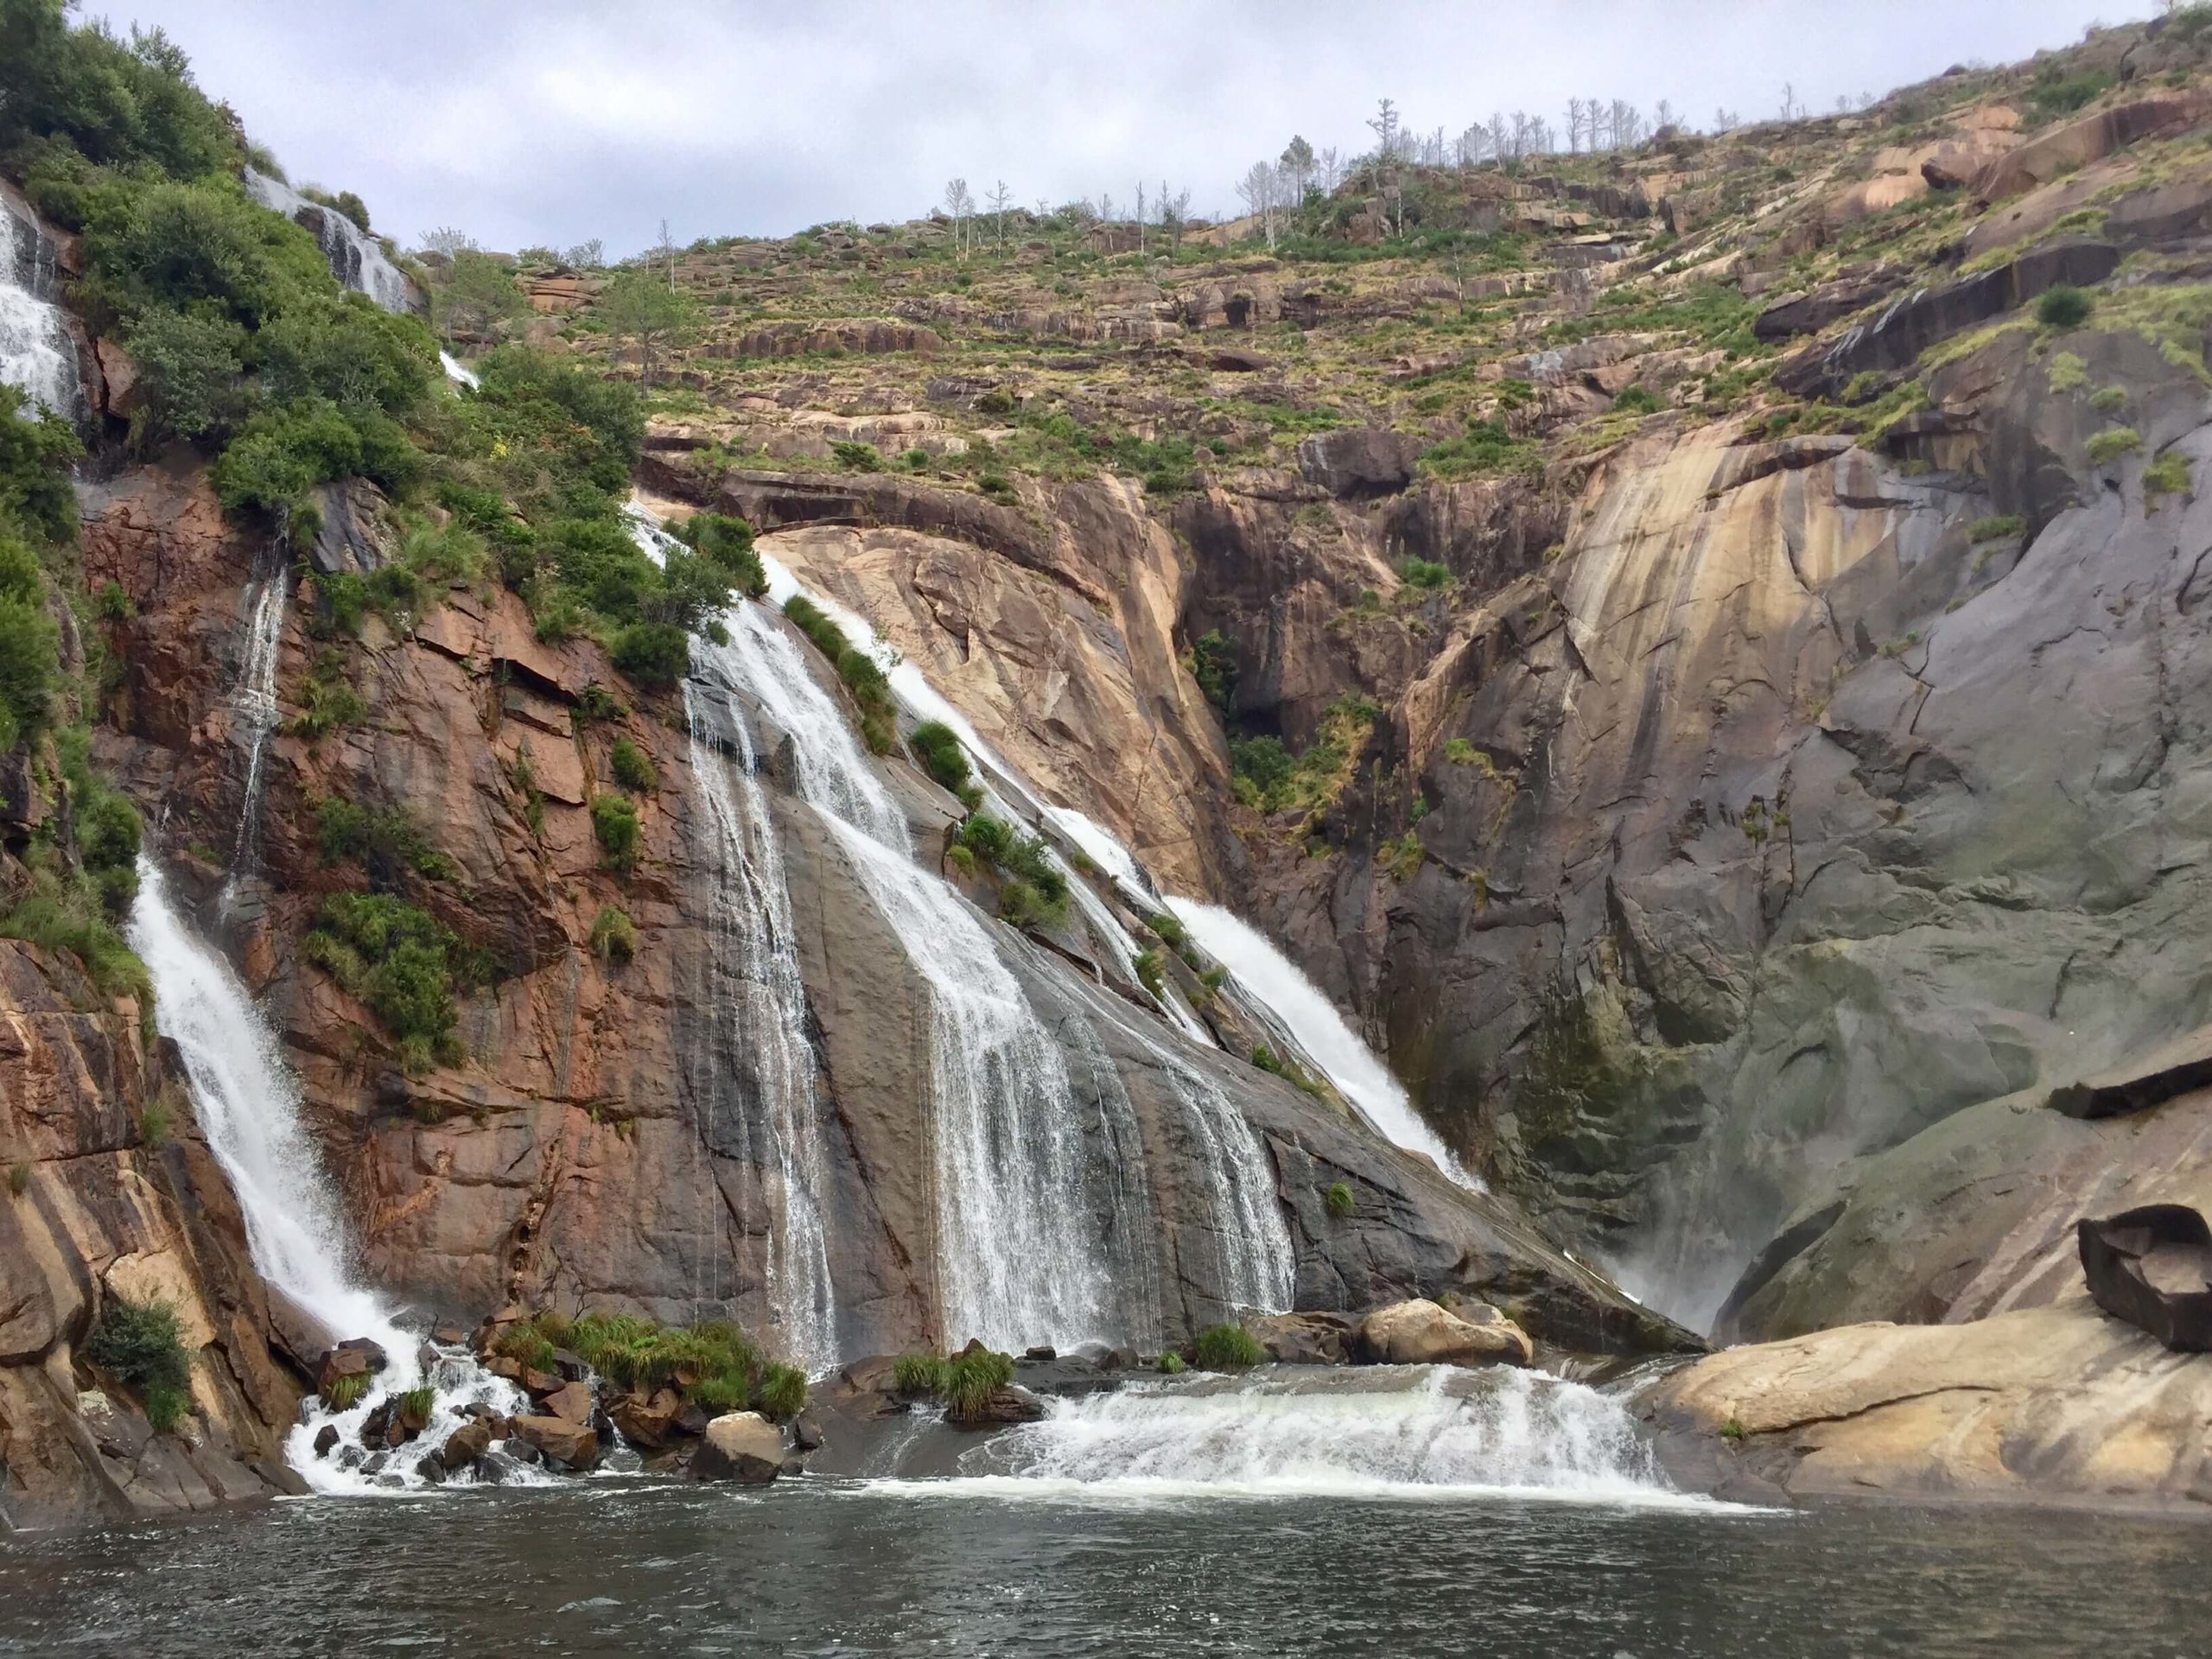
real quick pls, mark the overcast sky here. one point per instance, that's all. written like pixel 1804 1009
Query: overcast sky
pixel 553 122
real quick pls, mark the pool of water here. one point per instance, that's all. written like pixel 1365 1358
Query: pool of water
pixel 913 1567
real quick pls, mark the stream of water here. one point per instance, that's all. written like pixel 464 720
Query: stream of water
pixel 37 353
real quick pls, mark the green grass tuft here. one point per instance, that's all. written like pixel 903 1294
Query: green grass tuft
pixel 1227 1348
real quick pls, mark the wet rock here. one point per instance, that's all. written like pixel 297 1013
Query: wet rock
pixel 807 1431
pixel 1303 1339
pixel 562 1443
pixel 351 1457
pixel 448 1334
pixel 357 1357
pixel 465 1444
pixel 572 1402
pixel 432 1468
pixel 1423 1333
pixel 1043 1351
pixel 648 1422
pixel 740 1446
pixel 1011 1404
pixel 1809 313
pixel 326 1438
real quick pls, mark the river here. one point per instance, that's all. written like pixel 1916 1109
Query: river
pixel 848 1567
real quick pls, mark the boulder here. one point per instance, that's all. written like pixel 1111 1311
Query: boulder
pixel 648 1422
pixel 357 1358
pixel 325 1440
pixel 1809 313
pixel 1358 460
pixel 1011 1404
pixel 740 1446
pixel 571 1403
pixel 2043 157
pixel 465 1444
pixel 431 1468
pixel 1423 1333
pixel 562 1443
pixel 1303 1339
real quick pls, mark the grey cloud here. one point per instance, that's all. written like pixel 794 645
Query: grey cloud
pixel 554 123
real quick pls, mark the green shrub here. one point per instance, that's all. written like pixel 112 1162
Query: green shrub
pixel 1636 400
pixel 19 1179
pixel 1167 927
pixel 526 1344
pixel 2065 306
pixel 141 1344
pixel 155 1126
pixel 344 1392
pixel 1147 966
pixel 1997 529
pixel 972 1378
pixel 383 840
pixel 2167 475
pixel 781 1393
pixel 402 962
pixel 1264 767
pixel 633 769
pixel 328 700
pixel 1171 1363
pixel 166 1408
pixel 416 1403
pixel 862 675
pixel 2066 372
pixel 1339 1200
pixel 961 857
pixel 2109 400
pixel 857 457
pixel 614 822
pixel 1211 661
pixel 726 542
pixel 2112 443
pixel 656 654
pixel 937 748
pixel 921 1373
pixel 613 935
pixel 1426 576
pixel 1227 1348
pixel 1024 865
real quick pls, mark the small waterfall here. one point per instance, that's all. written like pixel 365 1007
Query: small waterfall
pixel 1391 1431
pixel 756 1008
pixel 454 371
pixel 255 704
pixel 356 258
pixel 250 1110
pixel 1273 981
pixel 37 354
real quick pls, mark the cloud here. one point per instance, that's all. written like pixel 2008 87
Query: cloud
pixel 552 122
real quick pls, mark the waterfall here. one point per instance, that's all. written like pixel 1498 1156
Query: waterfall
pixel 1273 981
pixel 356 258
pixel 756 1010
pixel 37 352
pixel 454 371
pixel 249 1109
pixel 255 704
pixel 1381 1431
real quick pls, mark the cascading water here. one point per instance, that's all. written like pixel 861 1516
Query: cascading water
pixel 254 703
pixel 250 1111
pixel 456 372
pixel 1015 1264
pixel 1272 980
pixel 755 1007
pixel 355 256
pixel 37 352
pixel 1393 1431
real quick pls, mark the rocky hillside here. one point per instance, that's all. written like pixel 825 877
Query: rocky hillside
pixel 1692 644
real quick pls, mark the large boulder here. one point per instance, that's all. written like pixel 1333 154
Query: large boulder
pixel 357 1358
pixel 2062 149
pixel 1423 1333
pixel 649 1422
pixel 1303 1339
pixel 740 1446
pixel 572 1402
pixel 1358 460
pixel 562 1443
pixel 467 1444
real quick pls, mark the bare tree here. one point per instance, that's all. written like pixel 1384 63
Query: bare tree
pixel 1333 171
pixel 1174 213
pixel 1790 107
pixel 1385 123
pixel 586 256
pixel 1261 190
pixel 1140 225
pixel 1665 116
pixel 959 204
pixel 1001 199
pixel 1575 125
pixel 1472 142
pixel 1725 119
pixel 1501 138
pixel 664 251
pixel 448 241
pixel 1627 124
pixel 1297 162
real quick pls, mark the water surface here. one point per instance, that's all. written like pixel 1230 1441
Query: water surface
pixel 832 1567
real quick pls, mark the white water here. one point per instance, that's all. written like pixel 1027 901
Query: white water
pixel 356 258
pixel 249 1108
pixel 456 372
pixel 1383 1432
pixel 255 702
pixel 758 1008
pixel 37 353
pixel 1271 979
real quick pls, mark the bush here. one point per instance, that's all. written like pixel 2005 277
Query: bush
pixel 1263 764
pixel 2167 475
pixel 344 1392
pixel 1227 1348
pixel 189 368
pixel 631 767
pixel 862 675
pixel 383 840
pixel 614 822
pixel 166 1408
pixel 1997 529
pixel 613 935
pixel 402 962
pixel 2112 443
pixel 1035 888
pixel 726 542
pixel 921 1373
pixel 141 1344
pixel 2065 306
pixel 1339 1200
pixel 1426 576
pixel 937 748
pixel 1147 966
pixel 1213 662
pixel 654 654
pixel 972 1378
pixel 857 457
pixel 1171 1364
pixel 1636 400
pixel 781 1392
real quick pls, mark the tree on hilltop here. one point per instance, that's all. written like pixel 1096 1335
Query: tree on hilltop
pixel 638 306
